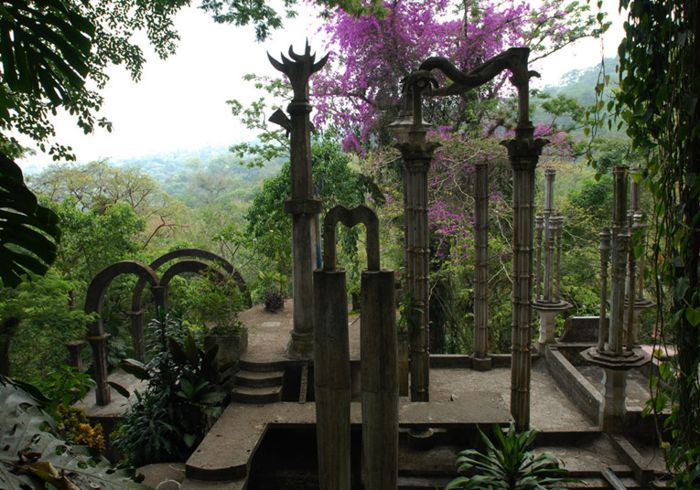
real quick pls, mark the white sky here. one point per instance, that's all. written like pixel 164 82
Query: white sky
pixel 179 104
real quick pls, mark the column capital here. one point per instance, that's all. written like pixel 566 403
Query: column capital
pixel 299 107
pixel 417 156
pixel 524 153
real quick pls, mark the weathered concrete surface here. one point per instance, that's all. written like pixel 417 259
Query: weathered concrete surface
pixel 162 476
pixel 637 391
pixel 118 405
pixel 226 453
pixel 268 333
pixel 551 409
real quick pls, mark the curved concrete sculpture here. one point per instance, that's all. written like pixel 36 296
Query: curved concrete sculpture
pixel 137 312
pixel 379 367
pixel 93 304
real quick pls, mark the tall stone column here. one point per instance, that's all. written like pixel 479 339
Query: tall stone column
pixel 620 242
pixel 417 154
pixel 603 317
pixel 302 206
pixel 549 175
pixel 635 286
pixel 539 229
pixel 549 304
pixel 481 360
pixel 524 152
pixel 613 357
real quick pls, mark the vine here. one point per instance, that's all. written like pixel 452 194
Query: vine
pixel 657 105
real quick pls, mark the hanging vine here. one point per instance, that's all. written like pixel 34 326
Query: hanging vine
pixel 657 104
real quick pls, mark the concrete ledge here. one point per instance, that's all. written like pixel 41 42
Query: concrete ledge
pixel 467 361
pixel 228 449
pixel 633 458
pixel 573 383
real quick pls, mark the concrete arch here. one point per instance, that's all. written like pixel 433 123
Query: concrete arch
pixel 93 304
pixel 136 313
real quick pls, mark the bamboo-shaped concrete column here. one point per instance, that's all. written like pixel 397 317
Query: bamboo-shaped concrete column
pixel 379 364
pixel 549 175
pixel 635 280
pixel 557 225
pixel 539 228
pixel 481 360
pixel 614 358
pixel 523 152
pixel 549 304
pixel 620 242
pixel 603 317
pixel 417 154
pixel 302 206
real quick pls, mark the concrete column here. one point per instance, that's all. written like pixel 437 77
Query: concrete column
pixel 103 393
pixel 417 154
pixel 612 411
pixel 539 224
pixel 481 268
pixel 557 223
pixel 332 379
pixel 75 356
pixel 549 175
pixel 620 241
pixel 380 390
pixel 137 334
pixel 524 153
pixel 301 205
pixel 630 337
pixel 603 317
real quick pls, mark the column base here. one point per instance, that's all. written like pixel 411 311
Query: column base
pixel 481 363
pixel 301 346
pixel 611 417
pixel 421 438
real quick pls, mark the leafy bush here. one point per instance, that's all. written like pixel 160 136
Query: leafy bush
pixel 206 300
pixel 33 456
pixel 185 395
pixel 509 466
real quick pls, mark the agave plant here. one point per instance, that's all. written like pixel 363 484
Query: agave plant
pixel 508 464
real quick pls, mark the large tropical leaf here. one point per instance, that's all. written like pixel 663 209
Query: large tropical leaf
pixel 44 48
pixel 28 232
pixel 32 457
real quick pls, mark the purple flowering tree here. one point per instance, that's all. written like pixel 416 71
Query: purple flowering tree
pixel 359 92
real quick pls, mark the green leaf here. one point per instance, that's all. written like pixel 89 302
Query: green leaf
pixel 28 232
pixel 693 315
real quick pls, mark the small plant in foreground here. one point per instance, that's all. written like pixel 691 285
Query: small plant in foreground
pixel 508 464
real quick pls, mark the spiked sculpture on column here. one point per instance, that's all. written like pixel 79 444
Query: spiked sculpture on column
pixel 549 304
pixel 302 206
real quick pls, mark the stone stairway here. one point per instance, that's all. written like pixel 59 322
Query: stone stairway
pixel 258 382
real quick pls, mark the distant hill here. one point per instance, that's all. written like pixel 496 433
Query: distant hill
pixel 174 170
pixel 580 84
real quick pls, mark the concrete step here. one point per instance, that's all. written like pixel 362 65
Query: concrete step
pixel 192 484
pixel 262 367
pixel 431 483
pixel 265 394
pixel 421 483
pixel 259 379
